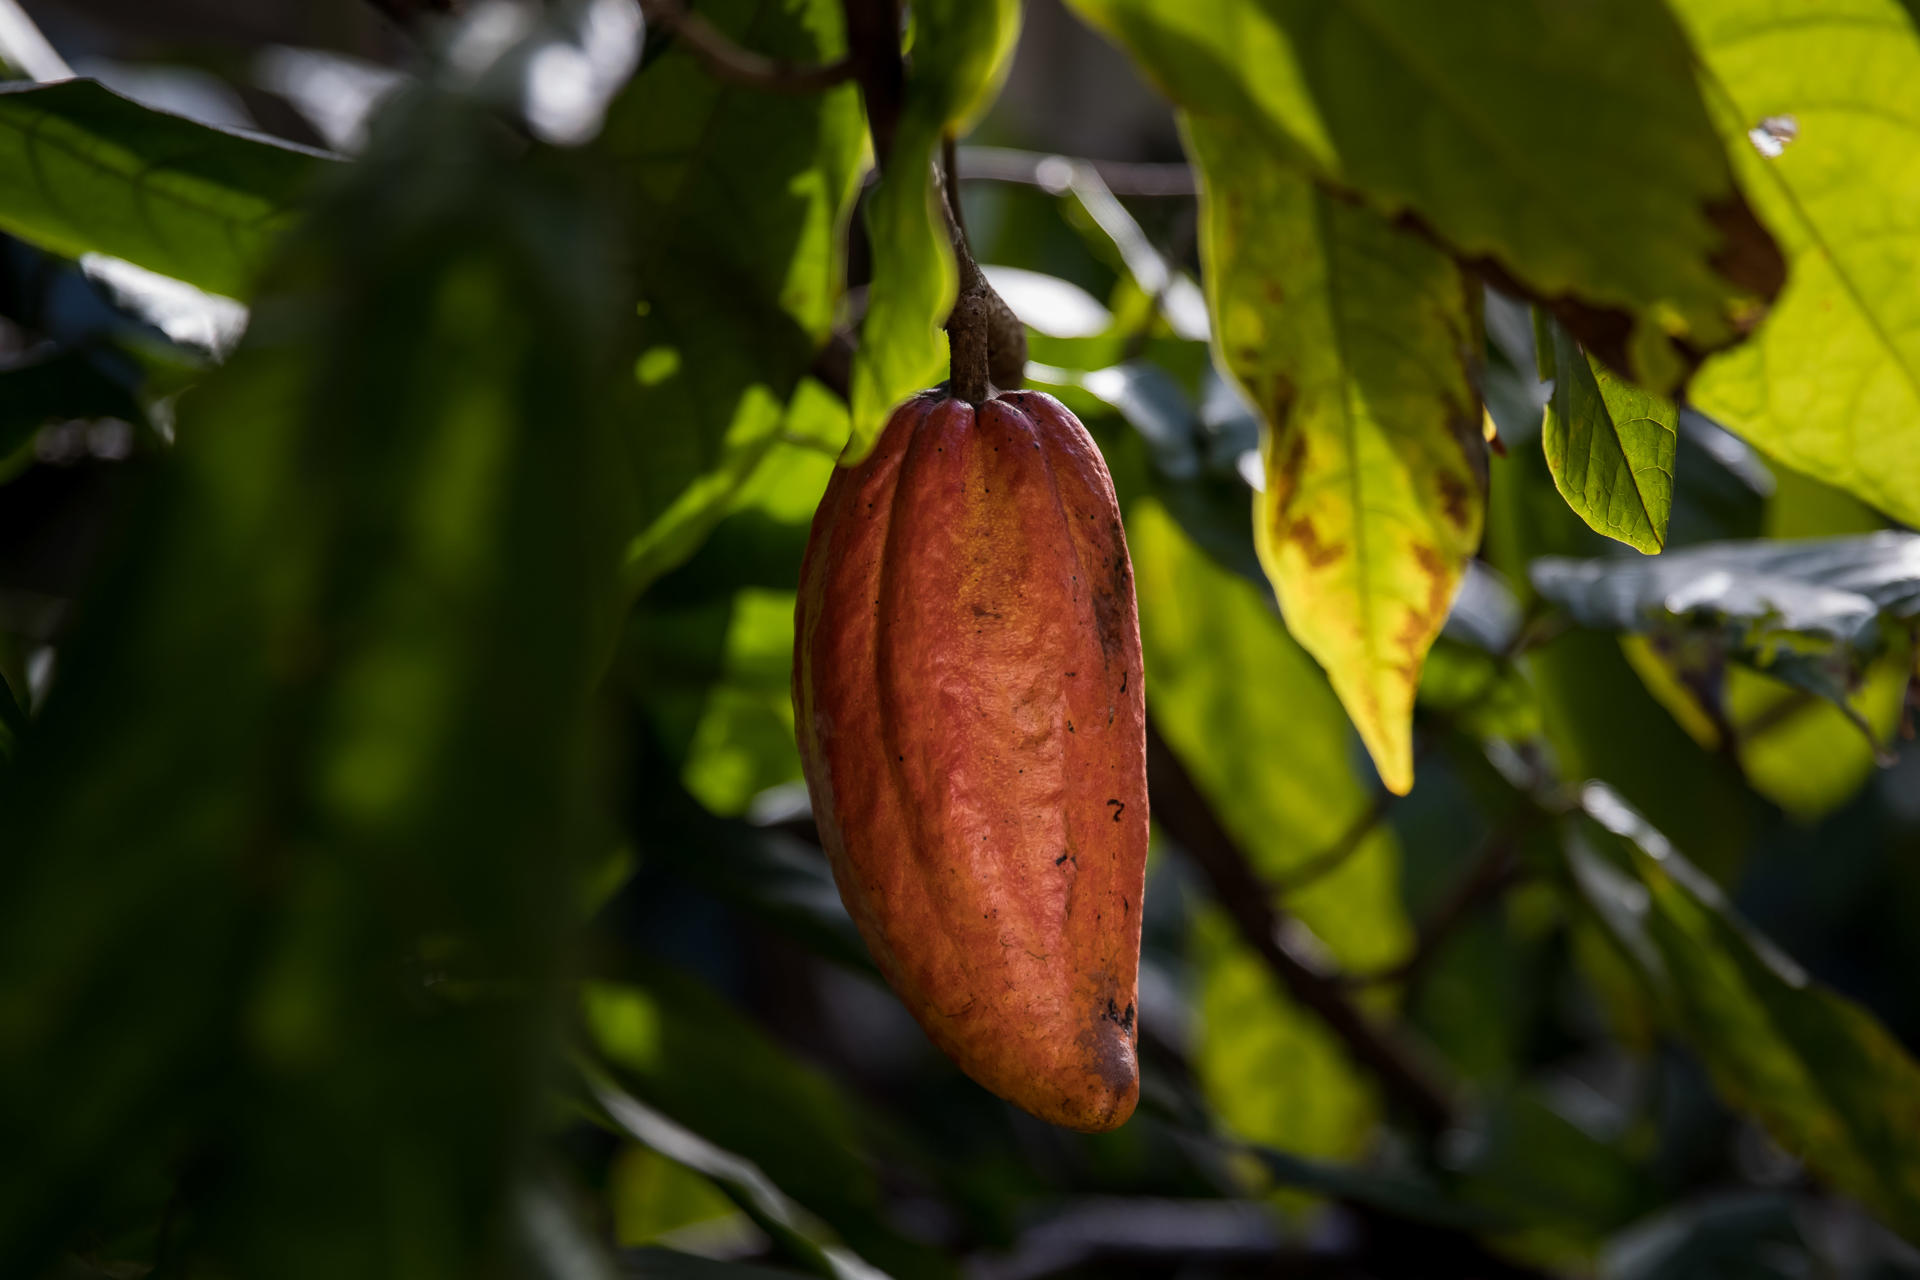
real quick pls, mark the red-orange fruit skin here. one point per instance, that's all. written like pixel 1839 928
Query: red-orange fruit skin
pixel 967 692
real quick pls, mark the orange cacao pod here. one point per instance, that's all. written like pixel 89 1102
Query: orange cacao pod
pixel 967 690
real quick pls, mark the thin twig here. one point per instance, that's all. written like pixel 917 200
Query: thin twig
pixel 1053 172
pixel 1186 816
pixel 1335 855
pixel 1491 875
pixel 729 62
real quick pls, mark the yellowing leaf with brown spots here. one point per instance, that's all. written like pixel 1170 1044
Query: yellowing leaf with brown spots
pixel 1354 339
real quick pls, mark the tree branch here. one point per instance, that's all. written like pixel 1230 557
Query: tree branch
pixel 1186 816
pixel 1491 875
pixel 1335 855
pixel 728 61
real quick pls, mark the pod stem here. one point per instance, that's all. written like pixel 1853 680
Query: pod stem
pixel 986 341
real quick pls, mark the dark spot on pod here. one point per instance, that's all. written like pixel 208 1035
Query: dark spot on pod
pixel 1119 807
pixel 1061 859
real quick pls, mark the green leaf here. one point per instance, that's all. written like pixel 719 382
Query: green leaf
pixel 1610 447
pixel 1316 1107
pixel 1825 1078
pixel 797 1232
pixel 1265 739
pixel 961 49
pixel 1567 143
pixel 740 199
pixel 289 855
pixel 709 650
pixel 87 171
pixel 1353 338
pixel 1810 591
pixel 1796 747
pixel 1831 383
pixel 682 1049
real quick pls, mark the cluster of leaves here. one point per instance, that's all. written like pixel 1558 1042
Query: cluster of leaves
pixel 406 868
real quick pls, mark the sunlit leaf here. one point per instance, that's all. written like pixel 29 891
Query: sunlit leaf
pixel 1316 1106
pixel 961 49
pixel 1354 339
pixel 1503 127
pixel 1831 88
pixel 740 199
pixel 87 171
pixel 1610 446
pixel 1827 1080
pixel 1255 722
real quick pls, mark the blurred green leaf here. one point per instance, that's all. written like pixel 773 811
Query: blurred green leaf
pixel 795 1231
pixel 87 171
pixel 1351 337
pixel 1255 722
pixel 1816 103
pixel 289 857
pixel 1820 1072
pixel 961 49
pixel 1796 748
pixel 680 1048
pixel 740 198
pixel 1498 125
pixel 709 650
pixel 1560 1189
pixel 1610 447
pixel 650 1196
pixel 1815 614
pixel 1313 1107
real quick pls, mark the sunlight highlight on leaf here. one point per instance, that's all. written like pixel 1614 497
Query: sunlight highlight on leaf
pixel 1831 383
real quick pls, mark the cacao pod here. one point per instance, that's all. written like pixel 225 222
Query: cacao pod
pixel 967 694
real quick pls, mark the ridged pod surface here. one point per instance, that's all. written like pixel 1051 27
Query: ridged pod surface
pixel 967 690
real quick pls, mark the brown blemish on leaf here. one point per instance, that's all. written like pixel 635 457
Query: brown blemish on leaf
pixel 1319 554
pixel 1423 621
pixel 1455 500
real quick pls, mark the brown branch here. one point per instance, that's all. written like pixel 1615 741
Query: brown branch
pixel 873 47
pixel 1053 172
pixel 1491 875
pixel 1187 817
pixel 728 61
pixel 1335 855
